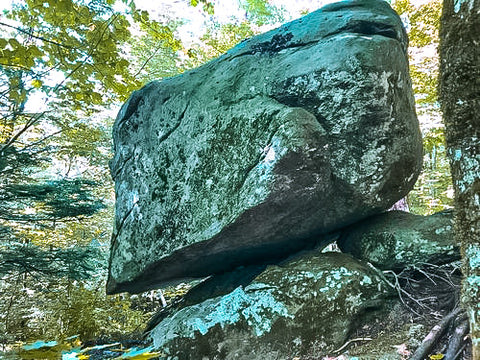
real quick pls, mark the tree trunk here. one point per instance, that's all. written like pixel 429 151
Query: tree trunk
pixel 460 101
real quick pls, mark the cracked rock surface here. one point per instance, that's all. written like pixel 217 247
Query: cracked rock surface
pixel 396 240
pixel 306 306
pixel 290 135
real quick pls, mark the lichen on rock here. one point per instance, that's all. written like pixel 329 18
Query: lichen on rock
pixel 290 135
pixel 396 240
pixel 310 302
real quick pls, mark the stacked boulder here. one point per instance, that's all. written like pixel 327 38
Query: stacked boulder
pixel 397 240
pixel 292 134
pixel 258 156
pixel 303 307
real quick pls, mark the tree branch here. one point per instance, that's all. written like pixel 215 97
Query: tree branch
pixel 35 36
pixel 147 61
pixel 27 126
pixel 434 334
pixel 456 343
pixel 89 54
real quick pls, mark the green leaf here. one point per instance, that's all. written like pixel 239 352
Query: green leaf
pixel 37 83
pixel 209 8
pixel 14 44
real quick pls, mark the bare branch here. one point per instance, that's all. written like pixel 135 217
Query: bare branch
pixel 29 33
pixel 434 334
pixel 27 126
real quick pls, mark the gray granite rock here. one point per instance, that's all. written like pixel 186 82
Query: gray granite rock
pixel 396 240
pixel 291 134
pixel 304 307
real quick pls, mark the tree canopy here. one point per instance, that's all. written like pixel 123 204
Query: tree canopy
pixel 65 68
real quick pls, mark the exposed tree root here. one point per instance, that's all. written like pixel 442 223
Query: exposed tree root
pixel 434 335
pixel 430 295
pixel 351 341
pixel 402 292
pixel 457 341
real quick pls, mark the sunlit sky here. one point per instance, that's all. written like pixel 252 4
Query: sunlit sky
pixel 195 18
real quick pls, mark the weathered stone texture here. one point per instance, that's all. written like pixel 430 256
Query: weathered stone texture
pixel 396 240
pixel 294 133
pixel 459 95
pixel 304 307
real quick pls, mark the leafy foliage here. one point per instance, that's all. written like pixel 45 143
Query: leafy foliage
pixel 261 12
pixel 51 200
pixel 65 308
pixel 433 191
pixel 64 64
pixel 157 65
pixel 75 263
pixel 221 37
pixel 207 6
pixel 216 41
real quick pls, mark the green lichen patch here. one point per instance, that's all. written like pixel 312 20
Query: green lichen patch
pixel 293 133
pixel 309 302
pixel 397 240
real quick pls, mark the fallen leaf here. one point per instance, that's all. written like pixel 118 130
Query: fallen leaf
pixel 402 349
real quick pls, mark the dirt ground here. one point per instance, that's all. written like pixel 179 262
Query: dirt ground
pixel 427 295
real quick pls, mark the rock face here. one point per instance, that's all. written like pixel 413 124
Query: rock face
pixel 291 134
pixel 396 239
pixel 304 307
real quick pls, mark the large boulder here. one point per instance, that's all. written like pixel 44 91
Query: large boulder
pixel 291 134
pixel 396 240
pixel 307 306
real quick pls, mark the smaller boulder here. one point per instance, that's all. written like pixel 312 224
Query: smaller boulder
pixel 306 306
pixel 396 239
